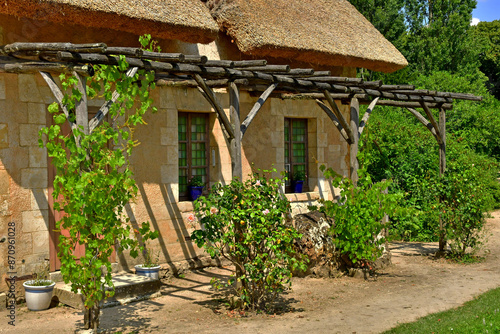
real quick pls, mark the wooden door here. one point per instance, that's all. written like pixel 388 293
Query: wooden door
pixel 54 215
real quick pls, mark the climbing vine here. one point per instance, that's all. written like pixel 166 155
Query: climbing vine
pixel 94 182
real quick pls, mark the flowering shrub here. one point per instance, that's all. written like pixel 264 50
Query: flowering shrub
pixel 245 223
pixel 358 217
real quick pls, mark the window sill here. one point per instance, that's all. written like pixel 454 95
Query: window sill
pixel 303 197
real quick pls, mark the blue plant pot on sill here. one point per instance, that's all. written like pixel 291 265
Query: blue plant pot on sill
pixel 195 192
pixel 297 186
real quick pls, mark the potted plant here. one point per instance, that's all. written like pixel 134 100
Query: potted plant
pixel 150 267
pixel 298 181
pixel 38 291
pixel 195 186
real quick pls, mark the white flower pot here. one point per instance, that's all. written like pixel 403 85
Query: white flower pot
pixel 153 272
pixel 38 297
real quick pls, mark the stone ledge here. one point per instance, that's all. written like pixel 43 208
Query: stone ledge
pixel 303 197
pixel 3 301
pixel 128 288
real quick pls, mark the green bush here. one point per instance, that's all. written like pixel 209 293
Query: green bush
pixel 461 205
pixel 357 215
pixel 244 222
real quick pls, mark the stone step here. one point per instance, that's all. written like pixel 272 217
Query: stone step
pixel 128 288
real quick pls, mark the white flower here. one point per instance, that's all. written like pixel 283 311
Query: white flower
pixel 213 210
pixel 258 183
pixel 266 211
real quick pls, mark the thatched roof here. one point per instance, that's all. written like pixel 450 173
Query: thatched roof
pixel 186 20
pixel 328 32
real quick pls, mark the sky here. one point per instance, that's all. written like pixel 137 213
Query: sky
pixel 486 10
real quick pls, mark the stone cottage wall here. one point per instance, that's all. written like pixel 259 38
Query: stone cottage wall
pixel 24 168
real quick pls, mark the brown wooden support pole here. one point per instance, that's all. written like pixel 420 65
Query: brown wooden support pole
pixel 210 96
pixel 340 117
pixel 82 114
pixel 104 110
pixel 335 120
pixel 422 120
pixel 435 125
pixel 236 165
pixel 366 116
pixel 234 112
pixel 442 170
pixel 353 153
pixel 58 94
pixel 258 105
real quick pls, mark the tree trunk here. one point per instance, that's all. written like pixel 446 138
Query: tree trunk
pixel 91 317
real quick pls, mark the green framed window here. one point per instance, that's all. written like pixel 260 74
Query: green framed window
pixel 295 149
pixel 193 149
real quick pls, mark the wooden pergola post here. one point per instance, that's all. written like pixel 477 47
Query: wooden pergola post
pixel 234 113
pixel 438 130
pixel 353 148
pixel 350 132
pixel 442 170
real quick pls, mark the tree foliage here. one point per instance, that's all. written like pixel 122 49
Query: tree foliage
pixel 490 60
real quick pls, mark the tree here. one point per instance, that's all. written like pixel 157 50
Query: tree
pixel 94 181
pixel 490 60
pixel 433 35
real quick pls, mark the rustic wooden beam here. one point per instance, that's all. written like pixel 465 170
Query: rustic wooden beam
pixel 335 120
pixel 34 67
pixel 160 56
pixel 344 80
pixel 176 82
pixel 210 96
pixel 423 120
pixel 104 110
pixel 435 125
pixel 397 87
pixel 460 96
pixel 83 48
pixel 404 104
pixel 366 116
pixel 339 116
pixel 234 111
pixel 255 109
pixel 353 147
pixel 318 96
pixel 268 68
pixel 219 63
pixel 58 94
pixel 195 59
pixel 125 51
pixel 298 72
pixel 250 63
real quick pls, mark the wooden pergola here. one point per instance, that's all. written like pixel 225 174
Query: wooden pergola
pixel 255 76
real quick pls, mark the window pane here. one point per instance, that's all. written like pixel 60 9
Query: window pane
pixel 182 128
pixel 183 180
pixel 193 141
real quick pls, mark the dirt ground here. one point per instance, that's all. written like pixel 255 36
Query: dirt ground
pixel 415 285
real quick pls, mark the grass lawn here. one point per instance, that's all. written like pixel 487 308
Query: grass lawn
pixel 481 315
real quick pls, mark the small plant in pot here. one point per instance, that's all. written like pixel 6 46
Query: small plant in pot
pixel 150 267
pixel 195 186
pixel 298 181
pixel 38 291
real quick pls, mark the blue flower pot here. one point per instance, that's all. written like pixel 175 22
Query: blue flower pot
pixel 297 186
pixel 195 192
